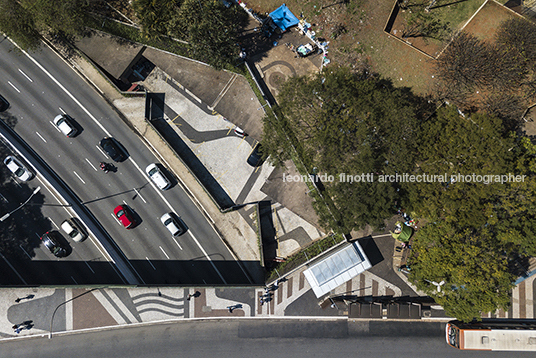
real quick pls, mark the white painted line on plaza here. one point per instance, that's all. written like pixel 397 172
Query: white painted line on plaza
pixel 154 268
pixel 82 180
pixel 180 247
pixel 40 136
pixel 108 306
pixel 68 309
pixel 25 75
pixel 12 85
pixel 163 251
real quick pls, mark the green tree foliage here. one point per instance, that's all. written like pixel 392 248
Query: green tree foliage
pixel 518 35
pixel 210 28
pixel 154 15
pixel 345 123
pixel 451 144
pixel 17 23
pixel 63 16
pixel 471 264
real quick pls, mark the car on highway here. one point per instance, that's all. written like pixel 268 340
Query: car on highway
pixel 125 216
pixel 173 225
pixel 16 167
pixel 73 229
pixel 112 149
pixel 51 240
pixel 3 104
pixel 65 125
pixel 255 158
pixel 156 175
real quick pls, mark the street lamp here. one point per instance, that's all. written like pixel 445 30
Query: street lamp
pixel 21 205
pixel 438 285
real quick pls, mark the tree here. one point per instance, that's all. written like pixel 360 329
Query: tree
pixel 17 23
pixel 154 15
pixel 469 261
pixel 423 24
pixel 58 16
pixel 350 124
pixel 210 28
pixel 461 148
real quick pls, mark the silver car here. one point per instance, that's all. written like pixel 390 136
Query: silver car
pixel 18 169
pixel 65 125
pixel 157 176
pixel 172 225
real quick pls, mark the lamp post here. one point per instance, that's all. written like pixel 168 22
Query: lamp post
pixel 21 205
pixel 438 285
pixel 63 303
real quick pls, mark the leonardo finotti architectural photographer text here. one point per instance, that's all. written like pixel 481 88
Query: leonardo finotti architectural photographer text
pixel 409 178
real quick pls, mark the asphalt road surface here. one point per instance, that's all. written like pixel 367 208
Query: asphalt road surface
pixel 252 338
pixel 43 86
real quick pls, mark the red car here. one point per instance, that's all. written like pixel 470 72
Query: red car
pixel 123 213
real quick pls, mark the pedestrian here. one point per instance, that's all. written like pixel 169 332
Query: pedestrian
pixel 262 301
pixel 18 300
pixel 17 330
pixel 189 296
pixel 231 308
pixel 267 295
pixel 15 326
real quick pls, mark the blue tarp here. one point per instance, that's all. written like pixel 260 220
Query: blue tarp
pixel 283 18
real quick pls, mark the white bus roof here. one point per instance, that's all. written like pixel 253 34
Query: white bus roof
pixel 499 339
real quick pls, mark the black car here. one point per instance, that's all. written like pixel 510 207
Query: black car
pixel 255 158
pixel 113 149
pixel 53 243
pixel 3 104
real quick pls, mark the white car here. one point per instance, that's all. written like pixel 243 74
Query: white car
pixel 157 176
pixel 18 169
pixel 65 126
pixel 72 228
pixel 172 225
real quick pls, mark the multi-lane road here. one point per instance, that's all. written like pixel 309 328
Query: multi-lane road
pixel 40 86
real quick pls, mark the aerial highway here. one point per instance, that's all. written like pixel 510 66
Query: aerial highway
pixel 39 86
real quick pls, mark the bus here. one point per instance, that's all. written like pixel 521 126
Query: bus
pixel 493 335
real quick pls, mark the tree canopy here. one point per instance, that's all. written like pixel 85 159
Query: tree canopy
pixel 349 124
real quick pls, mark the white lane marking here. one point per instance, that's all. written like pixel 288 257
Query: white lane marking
pixel 206 255
pixel 89 266
pixel 103 253
pixel 27 254
pixel 154 268
pixel 109 135
pixel 82 180
pixel 115 217
pixel 12 85
pixel 25 75
pixel 76 283
pixel 55 126
pixel 40 136
pixel 62 111
pixel 159 192
pixel 180 247
pixel 68 93
pixel 99 148
pixel 141 197
pixel 91 164
pixel 164 252
pixel 16 272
